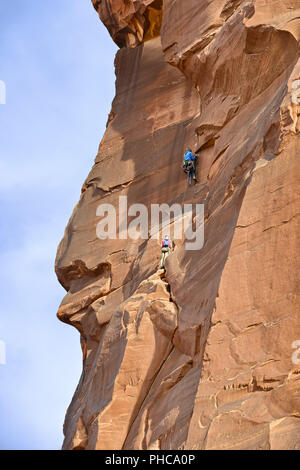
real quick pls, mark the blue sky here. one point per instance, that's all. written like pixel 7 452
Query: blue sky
pixel 56 59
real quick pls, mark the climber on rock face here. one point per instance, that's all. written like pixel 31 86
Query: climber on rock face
pixel 189 165
pixel 166 248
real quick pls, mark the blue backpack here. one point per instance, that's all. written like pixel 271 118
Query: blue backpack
pixel 188 156
pixel 166 243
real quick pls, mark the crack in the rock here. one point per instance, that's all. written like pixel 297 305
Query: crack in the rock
pixel 282 223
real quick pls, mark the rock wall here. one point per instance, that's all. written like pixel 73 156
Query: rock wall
pixel 198 357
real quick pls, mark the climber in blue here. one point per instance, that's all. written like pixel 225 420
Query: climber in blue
pixel 189 165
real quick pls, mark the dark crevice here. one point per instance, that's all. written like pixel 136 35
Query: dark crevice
pixel 153 20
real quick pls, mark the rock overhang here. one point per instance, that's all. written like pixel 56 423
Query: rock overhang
pixel 130 23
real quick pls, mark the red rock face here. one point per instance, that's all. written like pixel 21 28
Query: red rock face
pixel 203 356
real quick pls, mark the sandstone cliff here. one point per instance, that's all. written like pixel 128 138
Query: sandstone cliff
pixel 199 357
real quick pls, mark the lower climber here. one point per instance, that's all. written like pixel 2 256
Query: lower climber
pixel 189 165
pixel 166 248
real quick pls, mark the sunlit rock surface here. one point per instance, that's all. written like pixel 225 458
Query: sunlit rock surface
pixel 202 356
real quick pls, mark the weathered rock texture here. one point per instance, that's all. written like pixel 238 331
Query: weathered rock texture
pixel 201 357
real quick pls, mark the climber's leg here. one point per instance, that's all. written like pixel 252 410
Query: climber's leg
pixel 194 172
pixel 167 254
pixel 162 260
